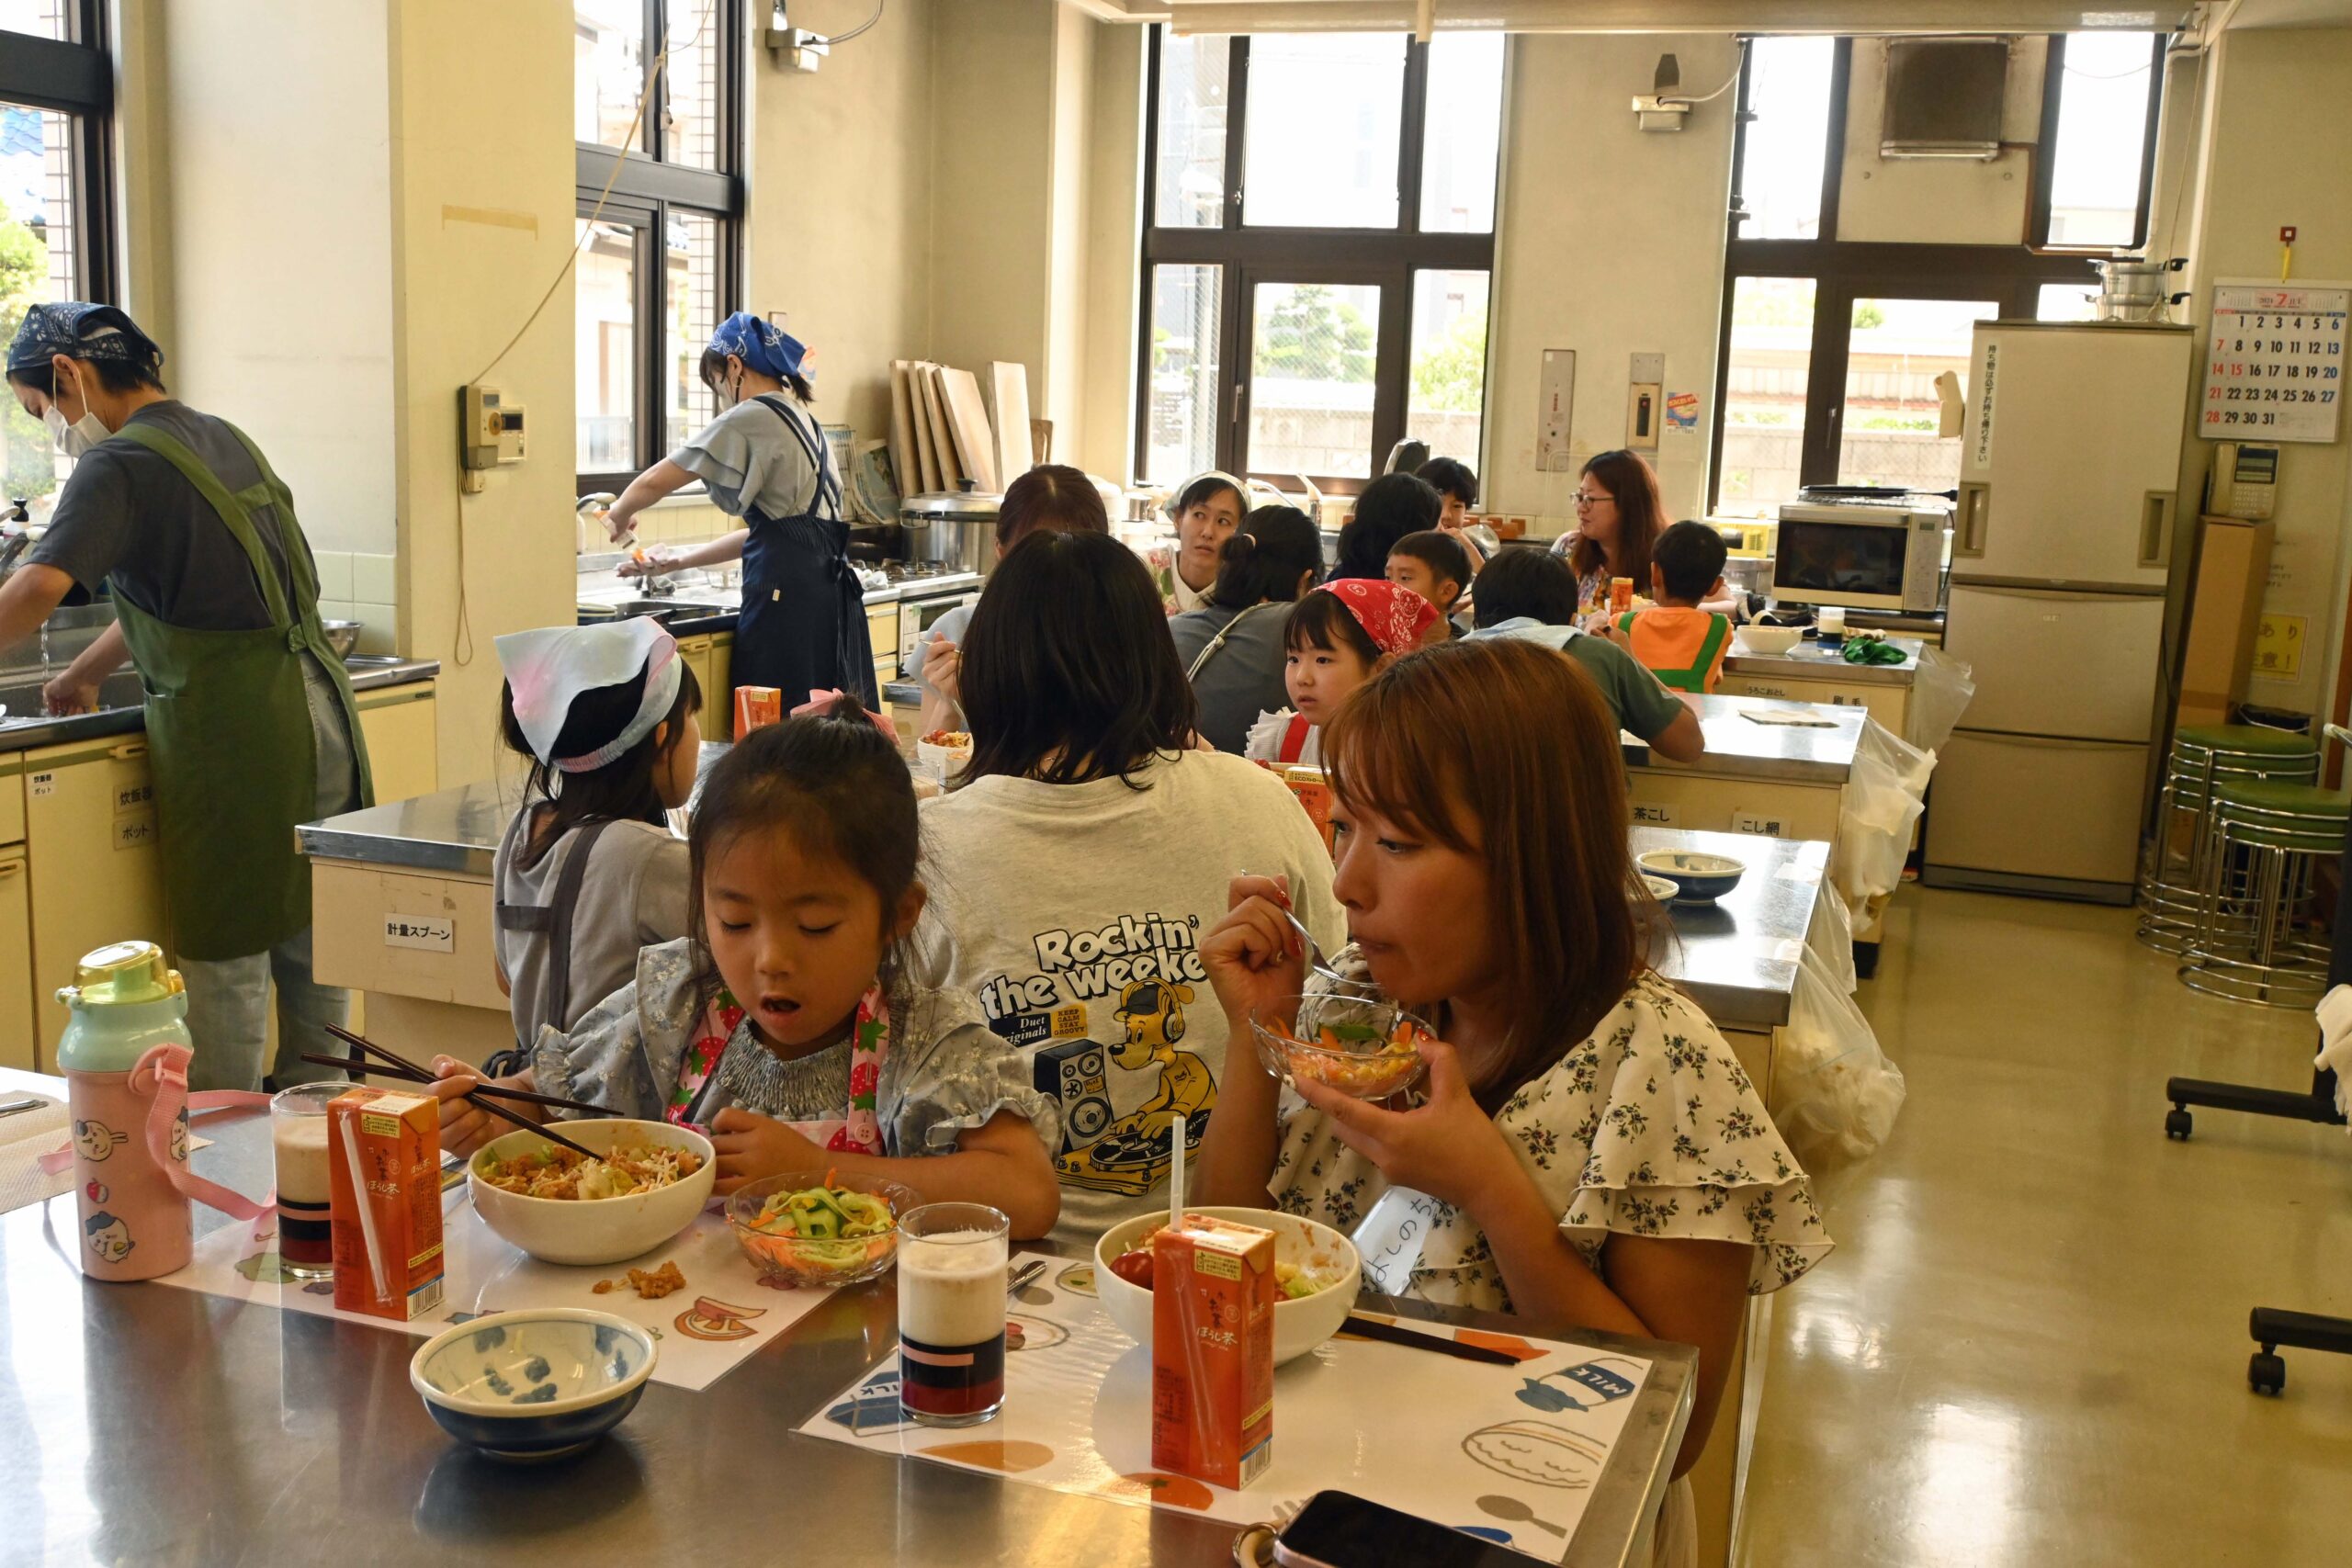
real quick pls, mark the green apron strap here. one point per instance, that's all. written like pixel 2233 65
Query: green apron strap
pixel 232 507
pixel 1718 628
pixel 297 559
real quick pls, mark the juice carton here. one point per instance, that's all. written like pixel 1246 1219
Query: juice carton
pixel 1314 794
pixel 384 1183
pixel 1213 1350
pixel 755 707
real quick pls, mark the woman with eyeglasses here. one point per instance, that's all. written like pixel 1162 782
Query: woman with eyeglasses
pixel 1619 516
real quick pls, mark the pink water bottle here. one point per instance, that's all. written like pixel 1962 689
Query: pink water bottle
pixel 130 1158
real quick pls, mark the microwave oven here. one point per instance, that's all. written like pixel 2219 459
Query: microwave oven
pixel 1864 556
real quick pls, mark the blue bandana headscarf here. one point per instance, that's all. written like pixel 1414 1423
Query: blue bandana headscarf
pixel 100 334
pixel 761 344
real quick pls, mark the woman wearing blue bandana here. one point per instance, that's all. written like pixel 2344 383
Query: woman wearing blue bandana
pixel 802 627
pixel 250 723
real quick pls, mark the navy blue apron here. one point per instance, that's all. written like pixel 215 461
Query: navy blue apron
pixel 802 627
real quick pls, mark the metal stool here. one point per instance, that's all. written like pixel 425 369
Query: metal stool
pixel 2204 755
pixel 2263 841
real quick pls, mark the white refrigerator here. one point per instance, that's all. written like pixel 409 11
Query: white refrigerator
pixel 2062 546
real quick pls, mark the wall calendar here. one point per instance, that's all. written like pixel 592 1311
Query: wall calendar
pixel 2274 362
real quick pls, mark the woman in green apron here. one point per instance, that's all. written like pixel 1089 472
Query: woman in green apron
pixel 251 729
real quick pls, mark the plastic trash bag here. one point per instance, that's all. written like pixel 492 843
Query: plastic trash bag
pixel 1882 800
pixel 1939 695
pixel 1830 938
pixel 1835 1094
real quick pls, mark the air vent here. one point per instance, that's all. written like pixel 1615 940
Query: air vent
pixel 1943 98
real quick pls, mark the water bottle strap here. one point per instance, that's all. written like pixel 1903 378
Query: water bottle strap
pixel 161 1078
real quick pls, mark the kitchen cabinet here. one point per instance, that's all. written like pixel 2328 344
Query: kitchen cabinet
pixel 696 652
pixel 16 963
pixel 94 871
pixel 718 697
pixel 400 725
pixel 12 798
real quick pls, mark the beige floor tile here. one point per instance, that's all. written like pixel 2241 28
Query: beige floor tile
pixel 2032 1345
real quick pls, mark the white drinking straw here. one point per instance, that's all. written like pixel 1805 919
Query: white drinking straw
pixel 1176 1172
pixel 366 1214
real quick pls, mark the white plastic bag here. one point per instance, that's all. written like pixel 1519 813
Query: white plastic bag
pixel 1882 799
pixel 1835 1094
pixel 1939 695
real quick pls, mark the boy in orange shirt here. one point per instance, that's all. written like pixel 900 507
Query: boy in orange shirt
pixel 1682 644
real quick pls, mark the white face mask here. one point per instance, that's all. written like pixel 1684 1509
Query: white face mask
pixel 77 437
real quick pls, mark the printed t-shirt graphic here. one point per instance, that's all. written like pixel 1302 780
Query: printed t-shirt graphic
pixel 1119 1100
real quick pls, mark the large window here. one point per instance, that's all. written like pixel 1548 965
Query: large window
pixel 1316 263
pixel 660 259
pixel 1831 348
pixel 55 105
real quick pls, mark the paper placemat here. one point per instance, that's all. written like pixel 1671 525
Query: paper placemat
pixel 25 1136
pixel 724 1313
pixel 1510 1453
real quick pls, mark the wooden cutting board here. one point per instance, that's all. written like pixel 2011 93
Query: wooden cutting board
pixel 907 467
pixel 967 418
pixel 943 442
pixel 1009 385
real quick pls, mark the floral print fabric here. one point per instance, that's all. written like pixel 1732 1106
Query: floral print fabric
pixel 1649 1127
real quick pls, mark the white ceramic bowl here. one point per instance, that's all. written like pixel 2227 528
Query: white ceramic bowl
pixel 1770 639
pixel 595 1230
pixel 1299 1325
pixel 1698 877
pixel 533 1384
pixel 944 763
pixel 1662 890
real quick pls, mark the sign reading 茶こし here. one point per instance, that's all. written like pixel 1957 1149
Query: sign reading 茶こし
pixel 2274 362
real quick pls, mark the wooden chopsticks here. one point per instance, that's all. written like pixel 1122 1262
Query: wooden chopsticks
pixel 402 1068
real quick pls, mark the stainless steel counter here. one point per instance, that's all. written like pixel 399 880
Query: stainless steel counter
pixel 1811 661
pixel 451 832
pixel 596 588
pixel 1737 747
pixel 152 1423
pixel 1738 959
pixel 369 673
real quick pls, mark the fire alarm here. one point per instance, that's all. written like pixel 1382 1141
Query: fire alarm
pixel 2287 233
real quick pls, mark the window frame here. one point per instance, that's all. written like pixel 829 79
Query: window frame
pixel 1245 257
pixel 75 77
pixel 643 191
pixel 1845 270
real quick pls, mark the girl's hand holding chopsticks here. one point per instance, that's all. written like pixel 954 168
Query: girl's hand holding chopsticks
pixel 466 1127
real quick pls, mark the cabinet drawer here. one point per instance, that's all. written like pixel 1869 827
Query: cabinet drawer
pixel 402 728
pixel 16 963
pixel 96 872
pixel 12 802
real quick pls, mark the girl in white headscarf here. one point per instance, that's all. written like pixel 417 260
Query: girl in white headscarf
pixel 589 872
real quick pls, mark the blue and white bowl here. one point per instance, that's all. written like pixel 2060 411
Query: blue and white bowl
pixel 1698 877
pixel 535 1384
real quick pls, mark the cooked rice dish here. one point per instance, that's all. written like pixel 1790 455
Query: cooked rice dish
pixel 553 1171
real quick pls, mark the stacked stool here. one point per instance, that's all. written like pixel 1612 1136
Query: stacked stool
pixel 2263 838
pixel 2205 757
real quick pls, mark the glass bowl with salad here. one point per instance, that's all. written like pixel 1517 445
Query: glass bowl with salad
pixel 819 1228
pixel 1360 1045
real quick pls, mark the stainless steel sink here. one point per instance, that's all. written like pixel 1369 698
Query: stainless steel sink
pixel 23 699
pixel 663 610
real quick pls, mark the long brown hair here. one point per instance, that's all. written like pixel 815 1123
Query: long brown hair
pixel 1633 483
pixel 1445 742
pixel 1051 495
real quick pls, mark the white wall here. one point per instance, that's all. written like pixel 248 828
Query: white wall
pixel 2259 175
pixel 276 280
pixel 992 268
pixel 483 190
pixel 1114 216
pixel 1609 242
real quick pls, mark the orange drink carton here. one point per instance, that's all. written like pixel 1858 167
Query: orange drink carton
pixel 1314 794
pixel 755 707
pixel 384 1186
pixel 1213 1350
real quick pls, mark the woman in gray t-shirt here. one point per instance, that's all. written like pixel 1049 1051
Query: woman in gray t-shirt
pixel 1232 646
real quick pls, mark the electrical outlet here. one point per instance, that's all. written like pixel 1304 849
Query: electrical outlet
pixel 1556 406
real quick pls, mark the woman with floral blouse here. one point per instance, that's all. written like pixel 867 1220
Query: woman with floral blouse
pixel 1586 1146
